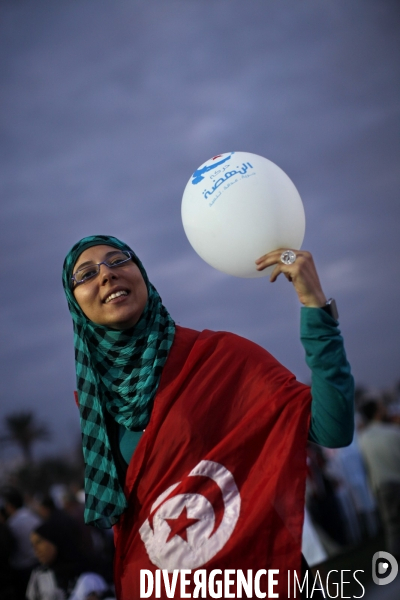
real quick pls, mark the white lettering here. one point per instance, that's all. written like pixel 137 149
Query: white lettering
pixel 231 583
pixel 184 583
pixel 158 583
pixel 359 582
pixel 272 583
pixel 146 574
pixel 336 585
pixel 211 589
pixel 258 592
pixel 241 582
pixel 170 589
pixel 228 583
pixel 200 579
pixel 342 582
pixel 304 583
pixel 320 589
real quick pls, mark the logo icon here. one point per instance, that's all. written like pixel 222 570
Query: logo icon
pixel 384 568
pixel 198 175
pixel 193 519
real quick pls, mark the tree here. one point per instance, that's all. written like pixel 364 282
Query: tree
pixel 23 430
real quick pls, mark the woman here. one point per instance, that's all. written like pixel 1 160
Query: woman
pixel 63 574
pixel 217 479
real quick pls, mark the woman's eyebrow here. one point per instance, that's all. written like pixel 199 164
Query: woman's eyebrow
pixel 91 262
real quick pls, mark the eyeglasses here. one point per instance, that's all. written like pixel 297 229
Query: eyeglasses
pixel 89 271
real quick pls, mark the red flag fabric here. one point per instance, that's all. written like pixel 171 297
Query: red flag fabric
pixel 218 478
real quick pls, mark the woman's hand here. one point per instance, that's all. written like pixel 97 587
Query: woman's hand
pixel 302 273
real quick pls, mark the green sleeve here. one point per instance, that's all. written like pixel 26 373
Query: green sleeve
pixel 332 385
pixel 128 440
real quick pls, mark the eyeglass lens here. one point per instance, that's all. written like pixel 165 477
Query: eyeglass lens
pixel 90 271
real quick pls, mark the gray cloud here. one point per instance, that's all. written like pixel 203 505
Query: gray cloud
pixel 107 108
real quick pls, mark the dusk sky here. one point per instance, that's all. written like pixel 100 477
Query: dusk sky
pixel 107 108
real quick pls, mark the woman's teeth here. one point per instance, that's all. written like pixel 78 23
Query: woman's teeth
pixel 115 295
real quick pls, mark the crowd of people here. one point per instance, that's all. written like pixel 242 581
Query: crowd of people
pixel 48 553
pixel 353 494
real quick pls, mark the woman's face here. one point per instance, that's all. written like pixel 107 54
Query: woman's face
pixel 94 296
pixel 45 551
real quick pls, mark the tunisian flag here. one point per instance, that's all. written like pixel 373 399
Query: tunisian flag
pixel 217 480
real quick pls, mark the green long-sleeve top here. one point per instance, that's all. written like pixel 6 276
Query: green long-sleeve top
pixel 332 385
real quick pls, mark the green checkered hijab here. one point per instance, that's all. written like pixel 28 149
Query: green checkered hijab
pixel 118 371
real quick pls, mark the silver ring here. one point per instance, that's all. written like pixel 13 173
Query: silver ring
pixel 288 257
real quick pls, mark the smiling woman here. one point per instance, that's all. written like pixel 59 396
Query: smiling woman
pixel 118 365
pixel 218 475
pixel 109 287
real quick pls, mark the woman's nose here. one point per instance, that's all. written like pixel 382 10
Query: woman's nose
pixel 107 273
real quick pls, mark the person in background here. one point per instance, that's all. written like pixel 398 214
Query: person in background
pixel 56 546
pixel 379 443
pixel 7 546
pixel 44 506
pixel 94 542
pixel 21 520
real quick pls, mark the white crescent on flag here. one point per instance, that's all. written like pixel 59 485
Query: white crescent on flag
pixel 184 531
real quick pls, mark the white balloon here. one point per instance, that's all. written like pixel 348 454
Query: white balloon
pixel 238 206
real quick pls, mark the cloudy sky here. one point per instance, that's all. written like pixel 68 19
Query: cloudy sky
pixel 106 110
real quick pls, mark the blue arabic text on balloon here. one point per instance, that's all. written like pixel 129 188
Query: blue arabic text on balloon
pixel 228 175
pixel 225 188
